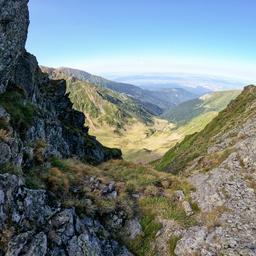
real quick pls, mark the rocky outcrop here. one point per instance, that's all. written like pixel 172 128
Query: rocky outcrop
pixel 41 108
pixel 35 224
pixel 14 20
pixel 226 198
pixel 38 123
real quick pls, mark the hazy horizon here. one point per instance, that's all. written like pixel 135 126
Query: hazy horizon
pixel 213 39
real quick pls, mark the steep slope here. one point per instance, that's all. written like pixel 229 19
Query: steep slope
pixel 219 162
pixel 209 103
pixel 118 120
pixel 36 108
pixel 103 107
pixel 196 144
pixel 151 99
pixel 39 213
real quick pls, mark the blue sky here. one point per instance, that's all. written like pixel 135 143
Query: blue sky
pixel 144 36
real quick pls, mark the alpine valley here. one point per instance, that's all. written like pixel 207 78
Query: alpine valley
pixel 122 115
pixel 93 167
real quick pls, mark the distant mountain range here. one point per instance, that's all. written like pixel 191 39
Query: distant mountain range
pixel 196 83
pixel 211 102
pixel 156 101
pixel 120 117
pixel 102 106
pixel 199 90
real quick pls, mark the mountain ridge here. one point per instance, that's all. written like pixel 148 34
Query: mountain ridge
pixel 64 193
pixel 101 105
pixel 160 99
pixel 218 124
pixel 210 102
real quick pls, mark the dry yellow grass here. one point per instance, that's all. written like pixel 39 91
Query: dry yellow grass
pixel 212 219
pixel 4 135
pixel 141 143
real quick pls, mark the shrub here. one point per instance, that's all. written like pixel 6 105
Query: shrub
pixel 10 168
pixel 211 219
pixel 3 124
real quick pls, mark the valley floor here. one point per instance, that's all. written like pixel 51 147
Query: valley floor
pixel 143 144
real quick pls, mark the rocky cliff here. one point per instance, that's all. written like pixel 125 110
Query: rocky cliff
pixel 38 124
pixel 219 162
pixel 54 201
pixel 14 22
pixel 33 107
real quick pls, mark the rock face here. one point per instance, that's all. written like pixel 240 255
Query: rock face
pixel 41 109
pixel 226 196
pixel 37 123
pixel 14 20
pixel 36 225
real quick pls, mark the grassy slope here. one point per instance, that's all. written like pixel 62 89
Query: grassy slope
pixel 140 148
pixel 120 122
pixel 124 124
pixel 195 145
pixel 140 144
pixel 104 107
pixel 156 195
pixel 212 102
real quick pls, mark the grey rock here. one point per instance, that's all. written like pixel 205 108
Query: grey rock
pixel 133 228
pixel 226 195
pixel 17 243
pixel 29 244
pixel 84 245
pixel 112 195
pixel 5 153
pixel 187 208
pixel 4 115
pixel 192 242
pixel 180 195
pixel 14 20
pixel 38 246
pixel 43 229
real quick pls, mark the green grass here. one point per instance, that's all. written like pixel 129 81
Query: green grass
pixel 60 163
pixel 172 244
pixel 142 246
pixel 10 168
pixel 156 194
pixel 163 207
pixel 212 102
pixel 195 145
pixel 104 107
pixel 20 110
